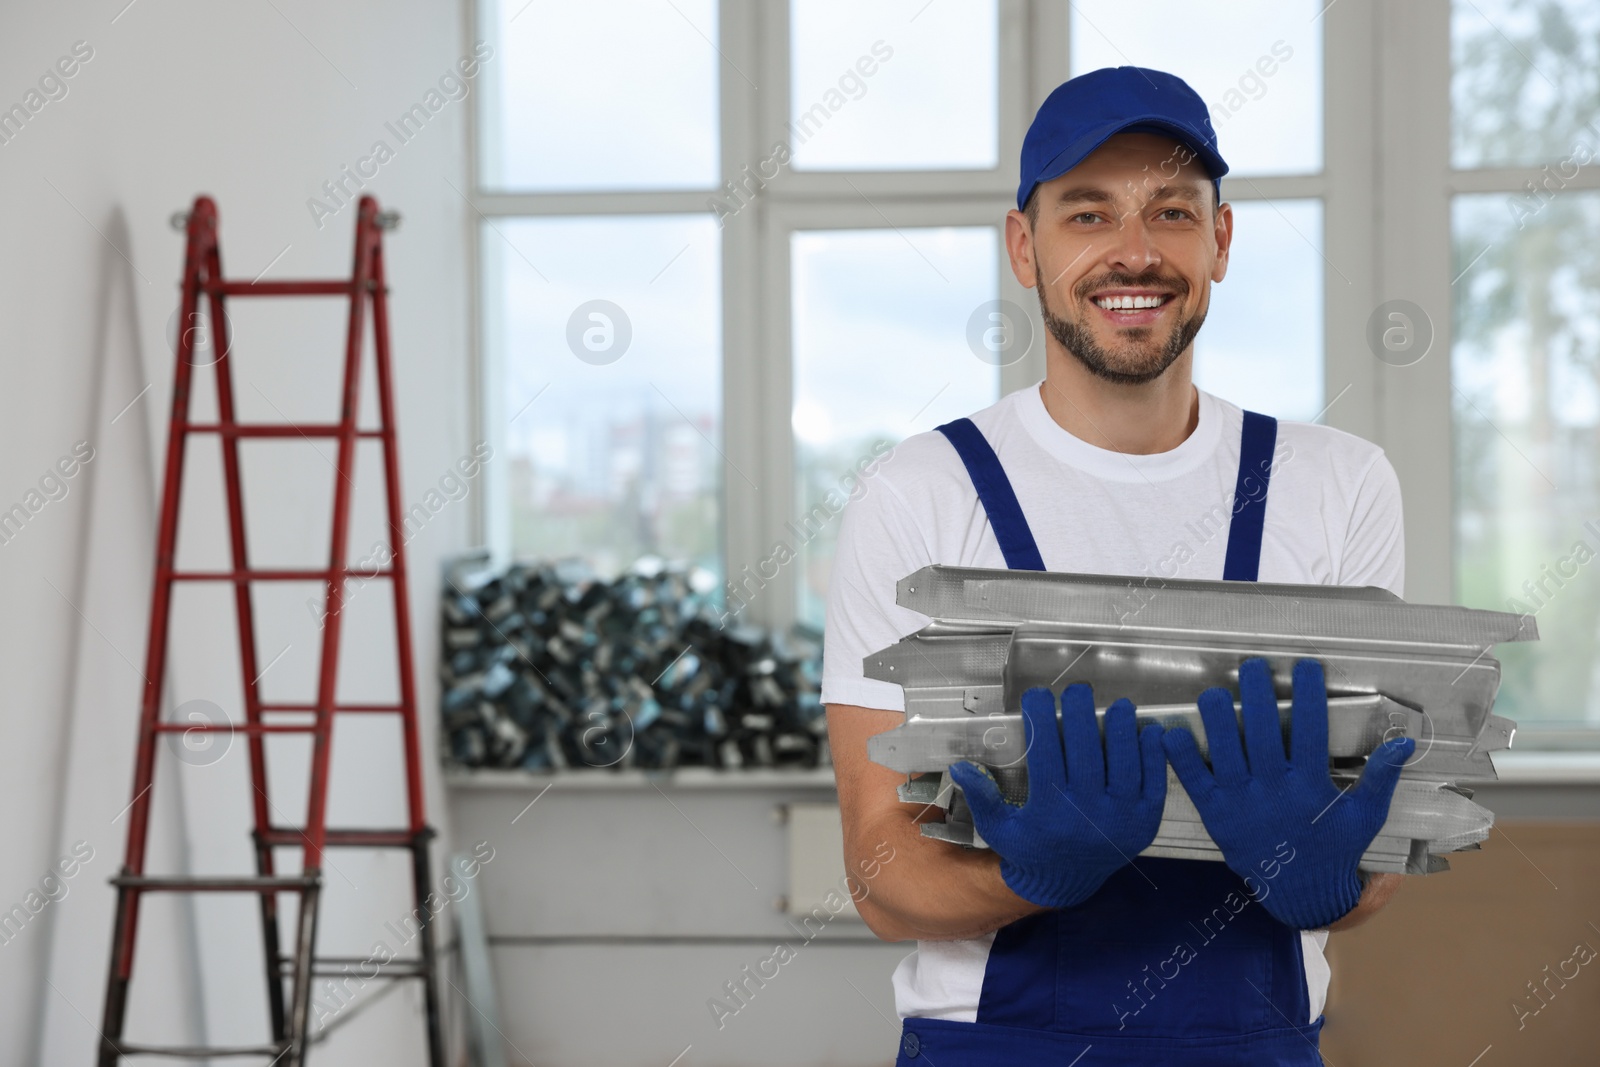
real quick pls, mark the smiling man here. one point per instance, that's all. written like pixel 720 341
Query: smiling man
pixel 1057 940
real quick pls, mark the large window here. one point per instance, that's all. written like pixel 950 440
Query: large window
pixel 731 254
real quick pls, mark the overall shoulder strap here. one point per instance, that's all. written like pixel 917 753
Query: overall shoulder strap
pixel 1257 441
pixel 995 492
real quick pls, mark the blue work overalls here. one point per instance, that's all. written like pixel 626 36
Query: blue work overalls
pixel 1171 962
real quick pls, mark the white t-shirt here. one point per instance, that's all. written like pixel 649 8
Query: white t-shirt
pixel 1333 518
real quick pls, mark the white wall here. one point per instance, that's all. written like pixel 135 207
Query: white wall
pixel 617 897
pixel 257 105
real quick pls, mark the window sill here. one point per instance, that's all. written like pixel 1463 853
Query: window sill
pixel 1547 768
pixel 820 778
pixel 1528 767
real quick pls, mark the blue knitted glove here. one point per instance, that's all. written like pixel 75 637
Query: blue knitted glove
pixel 1090 809
pixel 1280 822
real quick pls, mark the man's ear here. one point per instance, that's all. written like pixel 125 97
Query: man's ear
pixel 1223 233
pixel 1020 249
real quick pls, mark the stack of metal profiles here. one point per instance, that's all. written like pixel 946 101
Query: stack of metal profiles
pixel 1392 669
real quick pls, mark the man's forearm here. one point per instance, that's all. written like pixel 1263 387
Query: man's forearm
pixel 933 890
pixel 930 890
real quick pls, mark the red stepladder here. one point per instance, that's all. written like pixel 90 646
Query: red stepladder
pixel 289 1010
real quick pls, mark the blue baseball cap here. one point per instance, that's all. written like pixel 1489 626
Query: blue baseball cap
pixel 1081 114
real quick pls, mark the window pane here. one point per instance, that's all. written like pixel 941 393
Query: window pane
pixel 1527 434
pixel 1261 345
pixel 606 94
pixel 893 85
pixel 609 333
pixel 880 353
pixel 1526 83
pixel 1256 63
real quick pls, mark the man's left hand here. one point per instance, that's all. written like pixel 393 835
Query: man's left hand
pixel 1279 820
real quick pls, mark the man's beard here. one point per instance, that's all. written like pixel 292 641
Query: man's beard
pixel 1143 365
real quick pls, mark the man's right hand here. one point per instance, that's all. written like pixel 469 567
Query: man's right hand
pixel 1091 807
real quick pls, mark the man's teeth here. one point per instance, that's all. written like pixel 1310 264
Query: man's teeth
pixel 1112 303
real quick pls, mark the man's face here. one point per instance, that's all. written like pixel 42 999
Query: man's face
pixel 1123 253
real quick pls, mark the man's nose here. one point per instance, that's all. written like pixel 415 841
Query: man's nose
pixel 1132 248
